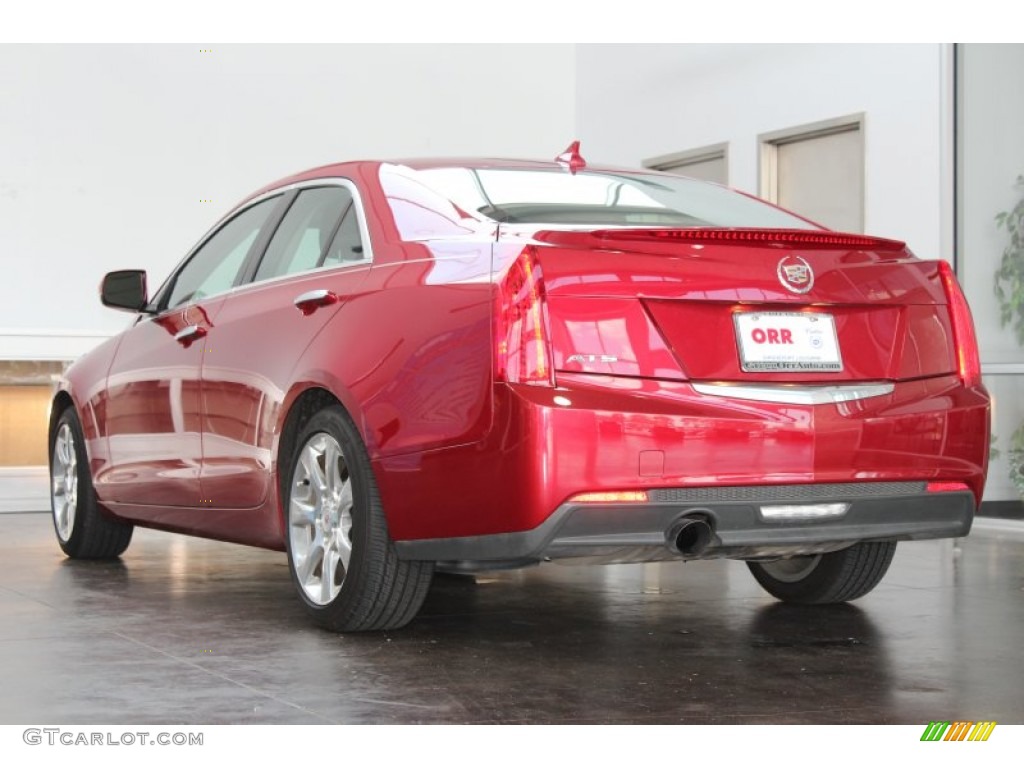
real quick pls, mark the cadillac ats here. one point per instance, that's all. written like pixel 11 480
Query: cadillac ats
pixel 385 369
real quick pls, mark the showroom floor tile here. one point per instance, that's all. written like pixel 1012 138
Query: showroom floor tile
pixel 189 631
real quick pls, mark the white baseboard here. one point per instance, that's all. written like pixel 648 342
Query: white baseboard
pixel 48 343
pixel 24 489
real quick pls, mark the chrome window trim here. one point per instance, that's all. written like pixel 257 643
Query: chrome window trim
pixel 327 181
pixel 795 394
pixel 173 276
pixel 357 200
pixel 272 281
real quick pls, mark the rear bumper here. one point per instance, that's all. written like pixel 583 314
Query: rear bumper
pixel 510 492
pixel 740 526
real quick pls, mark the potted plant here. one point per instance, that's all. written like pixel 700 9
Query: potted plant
pixel 1009 288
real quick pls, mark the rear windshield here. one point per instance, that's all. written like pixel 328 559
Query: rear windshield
pixel 601 198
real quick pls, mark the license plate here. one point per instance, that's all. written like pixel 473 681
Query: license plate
pixel 787 341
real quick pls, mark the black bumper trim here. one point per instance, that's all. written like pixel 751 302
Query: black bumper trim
pixel 780 494
pixel 739 530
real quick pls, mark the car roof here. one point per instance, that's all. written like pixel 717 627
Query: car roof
pixel 354 167
pixel 422 164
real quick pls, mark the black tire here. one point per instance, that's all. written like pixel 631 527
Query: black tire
pixel 376 590
pixel 836 577
pixel 83 531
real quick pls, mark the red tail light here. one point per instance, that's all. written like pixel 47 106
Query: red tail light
pixel 968 362
pixel 943 486
pixel 522 337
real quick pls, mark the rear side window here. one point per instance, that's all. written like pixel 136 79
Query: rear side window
pixel 600 198
pixel 302 239
pixel 347 245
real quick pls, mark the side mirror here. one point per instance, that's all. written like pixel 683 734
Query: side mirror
pixel 124 289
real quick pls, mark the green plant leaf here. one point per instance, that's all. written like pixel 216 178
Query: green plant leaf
pixel 1009 277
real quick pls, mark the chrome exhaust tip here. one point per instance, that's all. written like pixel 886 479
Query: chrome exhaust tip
pixel 690 535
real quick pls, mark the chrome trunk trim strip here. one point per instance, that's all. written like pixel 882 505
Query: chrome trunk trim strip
pixel 794 394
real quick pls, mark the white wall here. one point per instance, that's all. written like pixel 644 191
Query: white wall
pixel 991 159
pixel 641 101
pixel 107 151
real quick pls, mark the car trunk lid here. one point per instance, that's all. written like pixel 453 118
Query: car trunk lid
pixel 740 305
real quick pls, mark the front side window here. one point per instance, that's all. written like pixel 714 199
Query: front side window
pixel 215 266
pixel 302 239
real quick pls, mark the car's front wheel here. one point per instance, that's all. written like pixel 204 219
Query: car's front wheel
pixel 83 532
pixel 341 556
pixel 835 577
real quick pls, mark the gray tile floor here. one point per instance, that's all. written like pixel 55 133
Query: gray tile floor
pixel 189 631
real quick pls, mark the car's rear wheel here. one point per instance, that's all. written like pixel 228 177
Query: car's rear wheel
pixel 83 531
pixel 835 577
pixel 341 556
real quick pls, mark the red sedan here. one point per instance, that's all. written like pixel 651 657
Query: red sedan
pixel 387 368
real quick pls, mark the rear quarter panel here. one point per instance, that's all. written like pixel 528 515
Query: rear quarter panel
pixel 409 357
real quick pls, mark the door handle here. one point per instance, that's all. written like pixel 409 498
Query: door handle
pixel 310 301
pixel 187 335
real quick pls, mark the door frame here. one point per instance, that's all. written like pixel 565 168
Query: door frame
pixel 673 160
pixel 768 153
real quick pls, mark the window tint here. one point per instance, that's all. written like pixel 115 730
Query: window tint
pixel 305 231
pixel 601 198
pixel 214 267
pixel 347 244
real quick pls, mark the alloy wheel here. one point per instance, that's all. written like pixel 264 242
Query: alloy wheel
pixel 64 482
pixel 320 518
